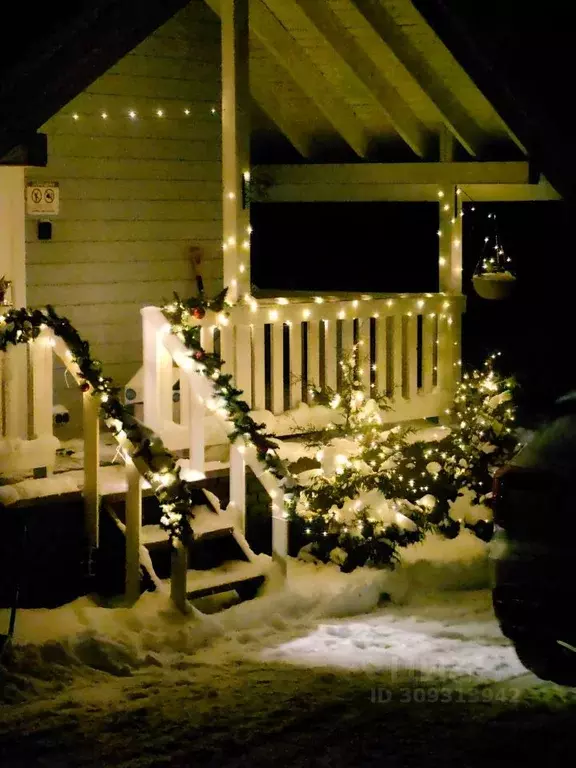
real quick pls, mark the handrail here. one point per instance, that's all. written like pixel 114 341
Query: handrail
pixel 204 393
pixel 143 450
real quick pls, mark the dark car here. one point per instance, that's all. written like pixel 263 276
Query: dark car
pixel 534 548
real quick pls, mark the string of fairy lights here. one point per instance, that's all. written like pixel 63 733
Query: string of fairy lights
pixel 134 114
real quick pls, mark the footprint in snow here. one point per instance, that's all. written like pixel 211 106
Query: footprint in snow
pixel 339 631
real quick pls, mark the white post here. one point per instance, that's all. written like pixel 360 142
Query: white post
pixel 279 528
pixel 133 530
pixel 450 229
pixel 450 261
pixel 91 414
pixel 238 485
pixel 236 104
pixel 158 377
pixel 196 429
pixel 179 567
pixel 13 268
pixel 42 385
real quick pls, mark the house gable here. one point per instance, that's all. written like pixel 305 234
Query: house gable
pixel 137 158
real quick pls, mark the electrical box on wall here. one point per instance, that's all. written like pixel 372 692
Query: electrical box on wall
pixel 44 230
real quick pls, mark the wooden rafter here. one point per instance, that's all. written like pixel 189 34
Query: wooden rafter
pixel 305 74
pixel 415 64
pixel 276 111
pixel 350 54
pixel 268 102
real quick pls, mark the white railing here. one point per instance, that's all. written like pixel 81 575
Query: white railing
pixel 41 351
pixel 162 350
pixel 409 349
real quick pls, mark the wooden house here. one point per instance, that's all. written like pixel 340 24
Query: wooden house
pixel 150 116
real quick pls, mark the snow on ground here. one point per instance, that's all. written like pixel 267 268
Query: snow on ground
pixel 401 619
pixel 326 669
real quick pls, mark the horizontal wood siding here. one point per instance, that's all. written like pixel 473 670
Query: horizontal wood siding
pixel 135 193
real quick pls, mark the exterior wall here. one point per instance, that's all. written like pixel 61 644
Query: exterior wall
pixel 136 194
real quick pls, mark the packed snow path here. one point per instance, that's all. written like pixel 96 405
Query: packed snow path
pixel 326 673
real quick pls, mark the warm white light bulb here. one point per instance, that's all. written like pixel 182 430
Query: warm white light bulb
pixel 186 111
pixel 160 112
pixel 75 116
pixel 104 115
pixel 132 114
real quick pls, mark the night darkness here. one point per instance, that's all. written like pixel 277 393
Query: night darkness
pixel 523 58
pixel 393 247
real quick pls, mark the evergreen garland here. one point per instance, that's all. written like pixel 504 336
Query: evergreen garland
pixel 420 479
pixel 176 496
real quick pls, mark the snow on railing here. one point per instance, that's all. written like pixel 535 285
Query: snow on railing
pixel 42 348
pixel 198 394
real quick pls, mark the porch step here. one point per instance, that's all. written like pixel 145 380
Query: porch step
pixel 238 575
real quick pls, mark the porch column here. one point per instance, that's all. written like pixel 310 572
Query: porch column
pixel 450 272
pixel 14 371
pixel 235 147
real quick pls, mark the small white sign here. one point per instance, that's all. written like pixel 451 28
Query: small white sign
pixel 43 198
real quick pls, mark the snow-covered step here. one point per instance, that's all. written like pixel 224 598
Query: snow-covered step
pixel 233 574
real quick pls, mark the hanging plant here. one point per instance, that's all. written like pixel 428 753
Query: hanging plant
pixel 493 277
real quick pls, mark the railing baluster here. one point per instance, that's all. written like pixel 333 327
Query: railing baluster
pixel 227 348
pixel 133 531
pixel 42 383
pixel 244 361
pixel 196 428
pixel 411 356
pixel 207 337
pixel 428 344
pixel 397 360
pixel 277 366
pixel 259 388
pixel 313 354
pixel 91 431
pixel 330 354
pixel 238 484
pixel 381 353
pixel 295 364
pixel 364 358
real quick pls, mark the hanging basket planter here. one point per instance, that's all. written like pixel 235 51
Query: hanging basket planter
pixel 493 277
pixel 494 285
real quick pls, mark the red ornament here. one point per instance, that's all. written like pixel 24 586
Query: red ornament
pixel 198 355
pixel 84 386
pixel 199 313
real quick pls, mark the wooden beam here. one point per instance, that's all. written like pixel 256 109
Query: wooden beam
pixel 450 111
pixel 407 193
pixel 304 72
pixel 321 179
pixel 277 112
pixel 351 55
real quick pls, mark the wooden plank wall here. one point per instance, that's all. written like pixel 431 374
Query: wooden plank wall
pixel 136 194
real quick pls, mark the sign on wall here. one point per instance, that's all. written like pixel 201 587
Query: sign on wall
pixel 42 198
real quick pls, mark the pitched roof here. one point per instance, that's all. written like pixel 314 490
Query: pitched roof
pixel 339 80
pixel 50 54
pixel 521 56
